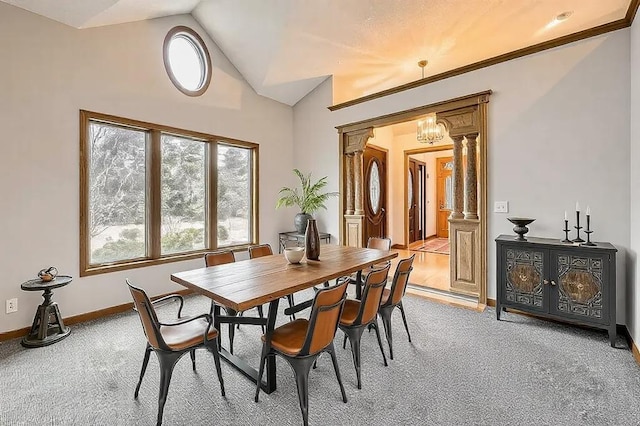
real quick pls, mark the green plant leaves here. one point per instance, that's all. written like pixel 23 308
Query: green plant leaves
pixel 310 199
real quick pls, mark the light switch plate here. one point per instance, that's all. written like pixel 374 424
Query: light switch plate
pixel 501 207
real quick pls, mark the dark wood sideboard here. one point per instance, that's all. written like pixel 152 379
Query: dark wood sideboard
pixel 565 282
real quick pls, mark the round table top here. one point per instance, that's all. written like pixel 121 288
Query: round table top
pixel 39 285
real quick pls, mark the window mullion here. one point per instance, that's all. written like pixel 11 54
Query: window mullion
pixel 212 193
pixel 255 182
pixel 154 193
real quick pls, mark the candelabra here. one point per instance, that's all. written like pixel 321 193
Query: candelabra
pixel 589 232
pixel 566 232
pixel 578 228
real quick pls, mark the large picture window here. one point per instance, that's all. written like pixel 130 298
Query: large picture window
pixel 152 194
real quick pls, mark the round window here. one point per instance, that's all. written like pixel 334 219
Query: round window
pixel 187 61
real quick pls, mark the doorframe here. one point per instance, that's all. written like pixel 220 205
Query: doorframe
pixel 471 113
pixel 407 154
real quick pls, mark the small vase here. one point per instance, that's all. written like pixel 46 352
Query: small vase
pixel 312 240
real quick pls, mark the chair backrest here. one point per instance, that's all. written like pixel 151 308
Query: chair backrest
pixel 259 251
pixel 219 258
pixel 400 280
pixel 372 294
pixel 148 317
pixel 324 317
pixel 379 243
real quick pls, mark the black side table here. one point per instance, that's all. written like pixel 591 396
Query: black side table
pixel 47 325
pixel 285 237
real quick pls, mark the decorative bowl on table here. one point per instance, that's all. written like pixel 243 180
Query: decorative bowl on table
pixel 520 227
pixel 48 274
pixel 294 254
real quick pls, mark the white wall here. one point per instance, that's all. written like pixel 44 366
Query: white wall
pixel 309 118
pixel 633 300
pixel 558 132
pixel 49 72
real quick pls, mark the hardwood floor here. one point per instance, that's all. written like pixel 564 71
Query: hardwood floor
pixel 431 272
pixel 429 269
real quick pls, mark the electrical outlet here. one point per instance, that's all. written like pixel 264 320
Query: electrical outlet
pixel 12 305
pixel 501 207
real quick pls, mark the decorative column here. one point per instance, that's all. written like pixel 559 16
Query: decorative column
pixel 354 145
pixel 349 186
pixel 358 182
pixel 458 183
pixel 471 179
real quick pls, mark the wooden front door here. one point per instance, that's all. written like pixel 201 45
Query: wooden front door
pixel 375 192
pixel 416 199
pixel 444 194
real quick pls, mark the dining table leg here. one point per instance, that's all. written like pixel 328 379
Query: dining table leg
pixel 271 359
pixel 216 323
pixel 359 285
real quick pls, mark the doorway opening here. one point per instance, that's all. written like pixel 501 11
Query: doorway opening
pixel 429 204
pixel 405 207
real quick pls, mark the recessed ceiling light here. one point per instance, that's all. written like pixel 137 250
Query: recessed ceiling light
pixel 564 16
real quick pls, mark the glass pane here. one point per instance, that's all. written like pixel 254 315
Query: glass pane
pixel 374 187
pixel 234 195
pixel 410 186
pixel 183 183
pixel 187 65
pixel 448 193
pixel 116 193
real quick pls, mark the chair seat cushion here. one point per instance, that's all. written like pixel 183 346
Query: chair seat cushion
pixel 183 336
pixel 385 296
pixel 289 338
pixel 350 312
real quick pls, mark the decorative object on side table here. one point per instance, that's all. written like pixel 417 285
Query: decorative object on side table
pixel 312 240
pixel 520 227
pixel 310 199
pixel 48 326
pixel 578 227
pixel 48 274
pixel 294 254
pixel 566 228
pixel 589 231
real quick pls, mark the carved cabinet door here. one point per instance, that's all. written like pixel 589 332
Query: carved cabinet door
pixel 524 281
pixel 577 288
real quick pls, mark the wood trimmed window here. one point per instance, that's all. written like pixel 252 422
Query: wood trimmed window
pixel 152 194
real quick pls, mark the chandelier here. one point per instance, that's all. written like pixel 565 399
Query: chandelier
pixel 429 131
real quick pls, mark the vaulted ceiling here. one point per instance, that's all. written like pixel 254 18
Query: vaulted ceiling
pixel 286 48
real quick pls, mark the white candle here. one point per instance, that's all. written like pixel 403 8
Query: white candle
pixel 588 211
pixel 577 207
pixel 565 215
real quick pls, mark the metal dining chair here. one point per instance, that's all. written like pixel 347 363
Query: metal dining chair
pixel 392 298
pixel 300 342
pixel 171 340
pixel 376 243
pixel 220 258
pixel 359 315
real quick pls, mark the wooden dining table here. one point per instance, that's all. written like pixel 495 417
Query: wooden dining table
pixel 245 284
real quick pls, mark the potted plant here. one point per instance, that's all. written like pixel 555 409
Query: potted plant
pixel 309 199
